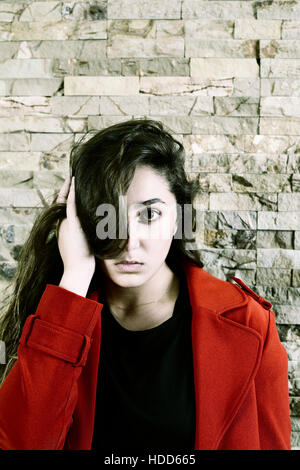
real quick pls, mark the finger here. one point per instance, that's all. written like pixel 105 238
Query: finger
pixel 71 204
pixel 64 190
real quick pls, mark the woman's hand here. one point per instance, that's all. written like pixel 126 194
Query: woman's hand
pixel 72 243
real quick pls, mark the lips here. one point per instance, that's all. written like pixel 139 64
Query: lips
pixel 129 267
pixel 129 262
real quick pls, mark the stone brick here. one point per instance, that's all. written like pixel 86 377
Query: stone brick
pixel 280 87
pixel 279 258
pixel 257 29
pixel 124 105
pixel 295 182
pixel 290 30
pixel 170 28
pixel 184 85
pixel 287 314
pixel 277 9
pixel 30 86
pixel 14 68
pixel 280 106
pixel 24 197
pixel 101 85
pixel 261 183
pixel 271 277
pixel 10 50
pixel 12 234
pixel 219 183
pixel 208 29
pixel 211 143
pixel 280 68
pixel 275 239
pixel 274 144
pixel 296 274
pixel 43 30
pixel 277 295
pixel 100 122
pixel 160 66
pixel 201 202
pixel 224 125
pixel 142 28
pixel 174 124
pixel 126 46
pixel 243 106
pixel 246 87
pixel 258 163
pixel 239 239
pixel 289 202
pixel 189 105
pixel 103 66
pixel 48 179
pixel 280 49
pixel 241 220
pixel 20 179
pixel 78 50
pixel 293 297
pixel 9 11
pixel 293 352
pixel 279 126
pixel 226 48
pixel 169 9
pixel 15 142
pixel 12 124
pixel 42 124
pixel 217 68
pixel 235 201
pixel 20 106
pixel 235 258
pixel 11 215
pixel 36 11
pixel 297 240
pixel 287 220
pixel 21 160
pixel 7 271
pixel 56 143
pixel 217 9
pixel 75 11
pixel 74 105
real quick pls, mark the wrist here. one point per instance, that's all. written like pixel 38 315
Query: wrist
pixel 76 280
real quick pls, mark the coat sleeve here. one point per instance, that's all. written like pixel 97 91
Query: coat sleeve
pixel 272 393
pixel 38 397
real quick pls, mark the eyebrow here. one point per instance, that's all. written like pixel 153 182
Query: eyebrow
pixel 151 201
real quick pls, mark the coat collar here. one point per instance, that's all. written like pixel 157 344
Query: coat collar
pixel 226 352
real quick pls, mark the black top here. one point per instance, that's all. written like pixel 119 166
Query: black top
pixel 145 395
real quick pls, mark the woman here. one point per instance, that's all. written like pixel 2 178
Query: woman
pixel 126 342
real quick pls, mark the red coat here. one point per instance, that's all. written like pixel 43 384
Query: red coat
pixel 240 371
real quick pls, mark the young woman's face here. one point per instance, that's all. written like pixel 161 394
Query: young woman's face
pixel 151 219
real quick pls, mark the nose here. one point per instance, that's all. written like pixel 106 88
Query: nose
pixel 133 241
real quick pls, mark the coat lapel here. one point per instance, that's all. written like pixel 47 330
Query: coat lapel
pixel 226 353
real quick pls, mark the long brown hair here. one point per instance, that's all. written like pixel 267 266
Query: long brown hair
pixel 103 167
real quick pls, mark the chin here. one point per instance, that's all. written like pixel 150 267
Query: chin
pixel 129 280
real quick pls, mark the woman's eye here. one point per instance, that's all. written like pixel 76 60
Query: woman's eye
pixel 147 215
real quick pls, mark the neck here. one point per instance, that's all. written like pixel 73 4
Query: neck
pixel 145 306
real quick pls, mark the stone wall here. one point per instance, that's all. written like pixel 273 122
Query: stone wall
pixel 223 76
